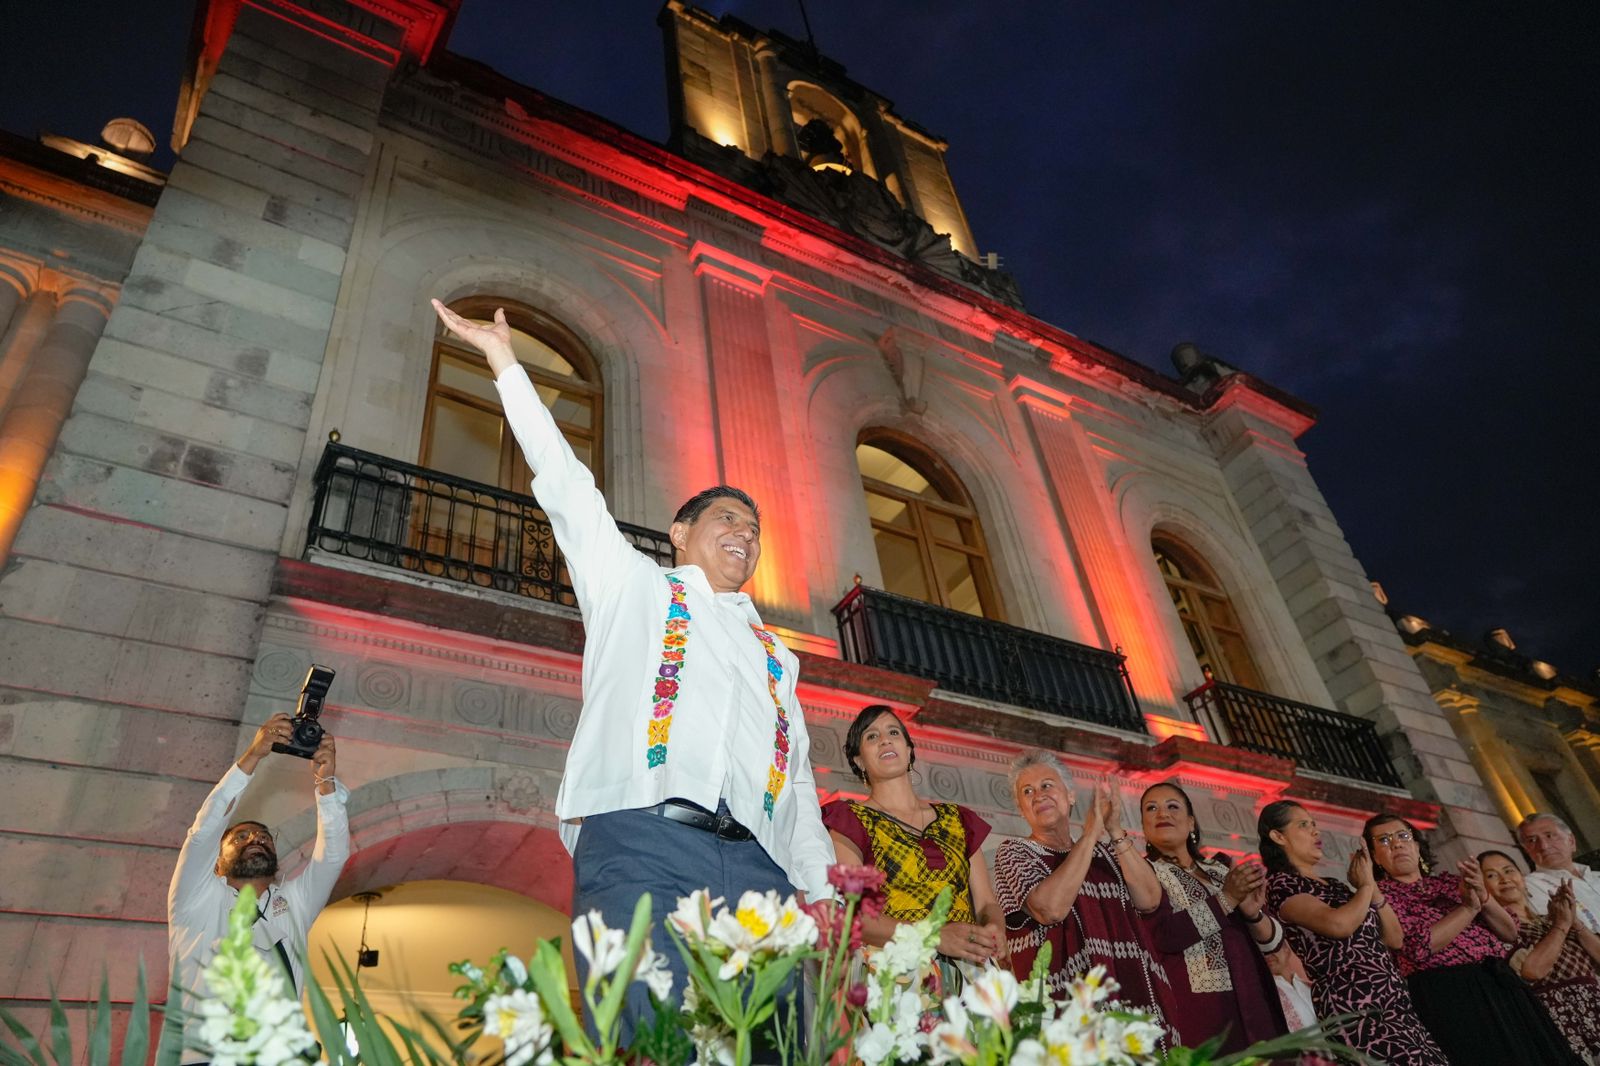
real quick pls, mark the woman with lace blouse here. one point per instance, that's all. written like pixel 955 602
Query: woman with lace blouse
pixel 1210 932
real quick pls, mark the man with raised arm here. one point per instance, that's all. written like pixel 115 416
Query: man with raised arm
pixel 690 764
pixel 219 858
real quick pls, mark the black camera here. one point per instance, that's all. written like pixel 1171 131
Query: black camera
pixel 305 730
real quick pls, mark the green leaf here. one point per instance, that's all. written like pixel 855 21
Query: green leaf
pixel 605 1021
pixel 136 1038
pixel 60 1032
pixel 549 976
pixel 100 1032
pixel 25 1040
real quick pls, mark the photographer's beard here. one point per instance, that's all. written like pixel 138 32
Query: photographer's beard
pixel 251 863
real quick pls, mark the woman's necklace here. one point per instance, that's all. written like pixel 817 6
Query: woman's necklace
pixel 912 827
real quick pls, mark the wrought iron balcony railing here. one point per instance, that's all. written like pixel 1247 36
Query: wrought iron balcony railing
pixel 1314 737
pixel 988 659
pixel 382 510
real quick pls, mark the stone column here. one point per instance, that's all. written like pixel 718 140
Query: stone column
pixel 750 438
pixel 1122 612
pixel 41 402
pixel 14 287
pixel 775 105
pixel 1354 645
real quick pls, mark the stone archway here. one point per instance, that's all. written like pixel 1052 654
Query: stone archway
pixel 527 859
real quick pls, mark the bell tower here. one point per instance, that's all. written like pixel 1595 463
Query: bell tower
pixel 773 113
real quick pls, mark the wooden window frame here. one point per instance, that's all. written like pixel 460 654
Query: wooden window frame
pixel 514 474
pixel 957 505
pixel 1200 583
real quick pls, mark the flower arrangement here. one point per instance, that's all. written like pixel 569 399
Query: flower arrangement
pixel 896 1004
pixel 250 1015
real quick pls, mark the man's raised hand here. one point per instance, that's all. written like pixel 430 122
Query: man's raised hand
pixel 494 340
pixel 272 731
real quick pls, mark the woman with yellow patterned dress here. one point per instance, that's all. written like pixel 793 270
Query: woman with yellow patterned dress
pixel 921 847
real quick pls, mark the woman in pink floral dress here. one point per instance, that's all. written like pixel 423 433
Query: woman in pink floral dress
pixel 1452 956
pixel 1342 936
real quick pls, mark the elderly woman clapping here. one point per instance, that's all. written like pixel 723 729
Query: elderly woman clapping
pixel 1555 953
pixel 1083 897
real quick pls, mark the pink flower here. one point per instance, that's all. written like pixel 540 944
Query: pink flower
pixel 855 880
pixel 857 996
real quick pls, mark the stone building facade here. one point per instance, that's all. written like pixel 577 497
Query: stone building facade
pixel 272 459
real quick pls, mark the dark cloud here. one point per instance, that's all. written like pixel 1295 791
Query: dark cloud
pixel 1387 209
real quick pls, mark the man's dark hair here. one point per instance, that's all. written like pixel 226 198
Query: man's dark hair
pixel 858 730
pixel 696 505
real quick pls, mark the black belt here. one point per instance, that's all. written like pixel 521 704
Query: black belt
pixel 692 814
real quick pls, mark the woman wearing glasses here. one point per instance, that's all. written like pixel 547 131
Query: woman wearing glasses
pixel 1456 937
pixel 1343 934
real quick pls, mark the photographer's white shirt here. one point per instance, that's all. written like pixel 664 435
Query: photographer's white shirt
pixel 199 900
pixel 721 740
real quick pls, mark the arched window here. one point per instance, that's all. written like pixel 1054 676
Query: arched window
pixel 1209 620
pixel 464 430
pixel 829 134
pixel 930 544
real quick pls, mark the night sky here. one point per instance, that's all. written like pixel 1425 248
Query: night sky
pixel 1387 209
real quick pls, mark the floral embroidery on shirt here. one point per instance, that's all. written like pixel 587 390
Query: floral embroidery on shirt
pixel 780 744
pixel 673 641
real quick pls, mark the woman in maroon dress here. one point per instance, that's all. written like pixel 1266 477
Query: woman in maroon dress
pixel 1081 897
pixel 1555 954
pixel 1452 956
pixel 1343 938
pixel 1210 931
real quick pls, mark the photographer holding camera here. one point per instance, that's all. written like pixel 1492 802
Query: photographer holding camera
pixel 219 858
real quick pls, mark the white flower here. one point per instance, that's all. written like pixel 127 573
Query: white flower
pixel 712 1046
pixel 471 972
pixel 906 952
pixel 1141 1038
pixel 653 971
pixel 1030 1053
pixel 602 948
pixel 874 1045
pixel 693 915
pixel 518 1019
pixel 992 995
pixel 907 1024
pixel 517 970
pixel 795 929
pixel 949 1040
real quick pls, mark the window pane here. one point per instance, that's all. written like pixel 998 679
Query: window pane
pixel 570 409
pixel 1220 613
pixel 533 352
pixel 888 510
pixel 879 465
pixel 470 376
pixel 957 581
pixel 902 565
pixel 464 441
pixel 1237 666
pixel 944 527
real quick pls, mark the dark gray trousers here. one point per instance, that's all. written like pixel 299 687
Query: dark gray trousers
pixel 624 854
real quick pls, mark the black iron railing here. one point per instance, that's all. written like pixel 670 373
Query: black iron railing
pixel 991 660
pixel 1314 737
pixel 382 510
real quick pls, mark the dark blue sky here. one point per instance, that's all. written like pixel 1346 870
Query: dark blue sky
pixel 1387 209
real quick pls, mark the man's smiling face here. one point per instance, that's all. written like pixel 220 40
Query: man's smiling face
pixel 724 542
